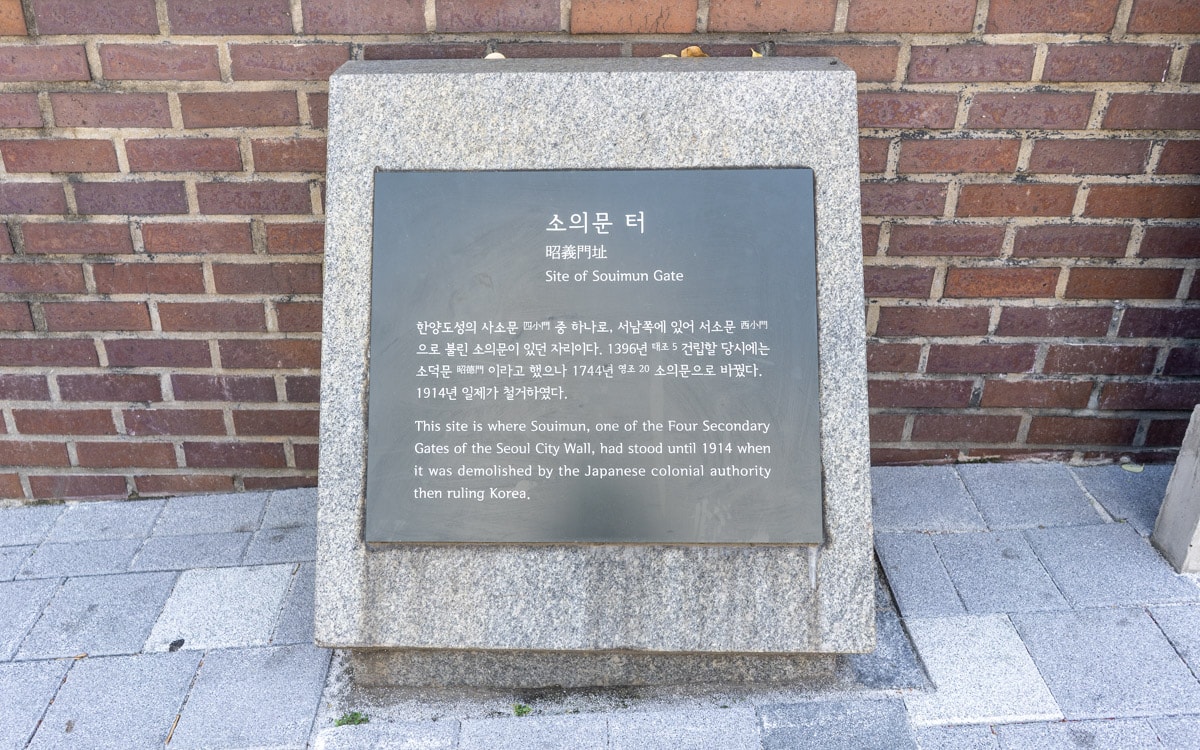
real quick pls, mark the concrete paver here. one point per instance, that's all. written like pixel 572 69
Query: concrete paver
pixel 922 498
pixel 1112 734
pixel 412 735
pixel 191 551
pixel 1128 496
pixel 996 571
pixel 577 732
pixel 288 508
pixel 963 737
pixel 1050 495
pixel 727 728
pixel 95 557
pixel 116 519
pixel 27 689
pixel 28 525
pixel 222 608
pixel 11 559
pixel 296 617
pixel 23 602
pixel 1178 732
pixel 917 576
pixel 211 514
pixel 296 544
pixel 1181 625
pixel 837 725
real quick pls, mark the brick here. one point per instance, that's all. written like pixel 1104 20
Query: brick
pixel 286 62
pixel 1001 282
pixel 6 247
pixel 892 17
pixel 497 15
pixel 957 156
pixel 1020 16
pixel 1144 201
pixel 755 15
pixel 211 316
pixel 1166 432
pixel 712 49
pixel 1183 361
pixel 907 456
pixel 41 278
pixel 318 110
pixel 298 316
pixel 276 422
pixel 109 387
pixel 886 428
pixel 267 278
pixel 217 239
pixel 46 63
pixel 12 23
pixel 152 197
pixel 125 454
pixel 1153 112
pixel 948 394
pixel 32 453
pixel 184 155
pixel 1100 360
pixel 10 484
pixel 932 321
pixel 1180 157
pixel 278 483
pixel 1156 396
pixel 446 51
pixel 980 358
pixel 946 239
pixel 1171 242
pixel 871 62
pixel 1024 199
pixel 302 388
pixel 111 110
pixel 893 357
pixel 969 428
pixel 1070 241
pixel 903 199
pixel 557 50
pixel 149 422
pixel 1165 16
pixel 19 111
pixel 14 316
pixel 306 455
pixel 1107 62
pixel 48 353
pixel 148 278
pixel 294 155
pixel 897 281
pixel 870 239
pixel 239 109
pixel 87 239
pixel 1089 156
pixel 970 63
pixel 159 62
pixel 152 485
pixel 24 388
pixel 95 17
pixel 97 316
pixel 1035 394
pixel 1141 322
pixel 64 422
pixel 1034 110
pixel 885 109
pixel 230 17
pixel 77 485
pixel 59 155
pixel 872 154
pixel 223 388
pixel 235 455
pixel 254 198
pixel 633 17
pixel 288 239
pixel 271 354
pixel 1123 283
pixel 1191 68
pixel 364 16
pixel 32 198
pixel 157 353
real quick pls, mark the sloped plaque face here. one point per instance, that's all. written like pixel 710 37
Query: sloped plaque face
pixel 594 356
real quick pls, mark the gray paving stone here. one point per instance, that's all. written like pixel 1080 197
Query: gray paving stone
pixel 191 551
pixel 222 608
pixel 982 673
pixel 415 735
pixel 922 498
pixel 837 725
pixel 11 559
pixel 966 737
pixel 25 690
pixel 27 525
pixel 117 702
pixel 1178 732
pixel 893 664
pixel 288 508
pixel 297 544
pixel 98 615
pixel 582 732
pixel 1182 627
pixel 726 728
pixel 119 519
pixel 1114 734
pixel 915 572
pixel 296 619
pixel 261 697
pixel 211 514
pixel 1022 496
pixel 22 603
pixel 1128 496
pixel 996 571
pixel 1108 565
pixel 1103 663
pixel 80 558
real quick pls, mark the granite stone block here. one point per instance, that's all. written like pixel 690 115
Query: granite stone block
pixel 996 571
pixel 1128 496
pixel 585 732
pixel 965 737
pixel 917 576
pixel 121 519
pixel 409 735
pixel 211 514
pixel 23 603
pixel 222 608
pixel 289 508
pixel 1178 732
pixel 728 728
pixel 11 559
pixel 922 498
pixel 27 688
pixel 1102 663
pixel 1050 495
pixel 28 525
pixel 296 618
pixel 1113 734
pixel 1181 625
pixel 837 725
pixel 893 664
pixel 191 551
pixel 80 558
pixel 277 545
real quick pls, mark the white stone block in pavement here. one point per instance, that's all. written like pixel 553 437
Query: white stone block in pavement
pixel 570 732
pixel 119 519
pixel 25 690
pixel 222 608
pixel 1023 496
pixel 1111 734
pixel 727 728
pixel 982 673
pixel 922 498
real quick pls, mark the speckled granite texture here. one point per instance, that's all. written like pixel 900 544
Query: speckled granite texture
pixel 594 114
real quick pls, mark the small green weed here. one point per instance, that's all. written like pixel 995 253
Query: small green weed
pixel 520 709
pixel 352 717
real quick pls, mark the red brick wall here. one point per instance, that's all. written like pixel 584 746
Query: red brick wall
pixel 1029 190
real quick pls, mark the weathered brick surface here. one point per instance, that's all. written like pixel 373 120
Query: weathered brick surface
pixel 970 63
pixel 160 62
pixel 217 239
pixel 1107 62
pixel 19 111
pixel 184 155
pixel 89 239
pixel 12 23
pixel 754 15
pixel 633 17
pixel 95 16
pixel 111 110
pixel 46 63
pixel 954 156
pixel 1089 156
pixel 1165 16
pixel 927 17
pixel 59 155
pixel 497 15
pixel 364 16
pixel 230 17
pixel 1070 240
pixel 270 62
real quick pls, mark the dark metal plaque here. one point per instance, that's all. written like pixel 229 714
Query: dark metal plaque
pixel 594 356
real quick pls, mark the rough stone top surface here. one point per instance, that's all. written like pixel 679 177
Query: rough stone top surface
pixel 594 65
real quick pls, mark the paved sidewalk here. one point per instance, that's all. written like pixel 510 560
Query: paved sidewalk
pixel 1040 615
